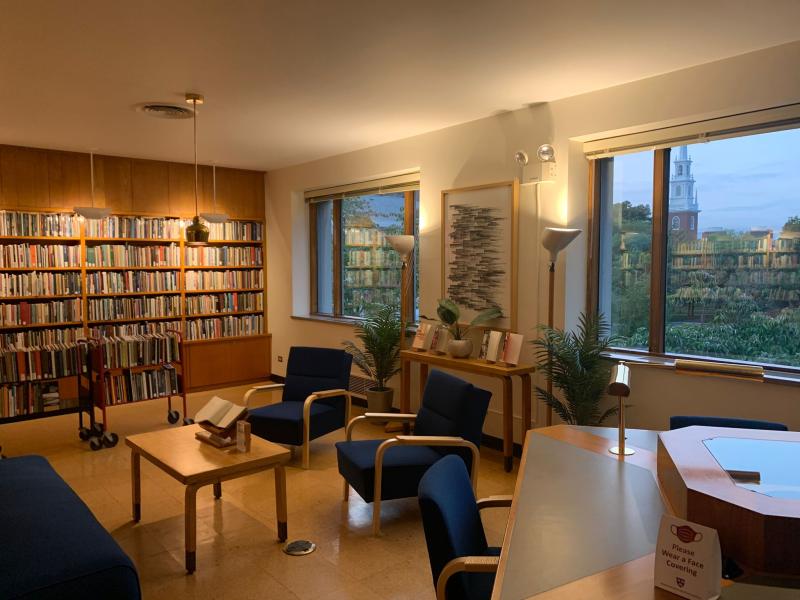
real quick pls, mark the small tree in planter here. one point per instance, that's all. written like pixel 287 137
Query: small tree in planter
pixel 379 333
pixel 449 313
pixel 572 361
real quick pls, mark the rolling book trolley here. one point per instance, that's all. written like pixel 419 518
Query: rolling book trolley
pixel 136 368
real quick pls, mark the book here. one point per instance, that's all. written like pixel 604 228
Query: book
pixel 219 416
pixel 484 344
pixel 495 346
pixel 214 440
pixel 422 338
pixel 512 345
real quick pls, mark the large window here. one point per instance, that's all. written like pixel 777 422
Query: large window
pixel 353 266
pixel 698 248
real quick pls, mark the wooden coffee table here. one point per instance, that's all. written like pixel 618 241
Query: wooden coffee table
pixel 195 464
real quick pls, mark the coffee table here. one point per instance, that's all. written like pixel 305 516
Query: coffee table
pixel 195 464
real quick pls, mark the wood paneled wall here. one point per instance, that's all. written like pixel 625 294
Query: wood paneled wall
pixel 32 178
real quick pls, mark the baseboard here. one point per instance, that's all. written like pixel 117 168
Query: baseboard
pixel 496 443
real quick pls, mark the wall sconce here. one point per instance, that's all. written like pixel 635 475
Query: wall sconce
pixel 545 171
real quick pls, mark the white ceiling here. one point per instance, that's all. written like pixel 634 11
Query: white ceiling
pixel 288 81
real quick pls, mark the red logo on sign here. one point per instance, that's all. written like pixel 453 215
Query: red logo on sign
pixel 686 534
pixel 680 581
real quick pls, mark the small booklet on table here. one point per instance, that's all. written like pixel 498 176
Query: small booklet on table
pixel 219 418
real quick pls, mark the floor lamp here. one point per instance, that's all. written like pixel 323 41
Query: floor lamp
pixel 404 245
pixel 554 240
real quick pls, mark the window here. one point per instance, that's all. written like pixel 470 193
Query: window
pixel 728 286
pixel 353 266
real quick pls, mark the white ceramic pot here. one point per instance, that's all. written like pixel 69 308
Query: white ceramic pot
pixel 459 348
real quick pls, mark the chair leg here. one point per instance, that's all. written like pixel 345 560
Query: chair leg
pixel 346 491
pixel 376 517
pixel 306 453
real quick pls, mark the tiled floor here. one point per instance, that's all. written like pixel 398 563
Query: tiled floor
pixel 238 555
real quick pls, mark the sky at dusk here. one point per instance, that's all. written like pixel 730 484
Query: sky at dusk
pixel 740 182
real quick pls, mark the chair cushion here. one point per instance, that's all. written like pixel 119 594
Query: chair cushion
pixel 310 370
pixel 52 546
pixel 282 422
pixel 679 422
pixel 403 467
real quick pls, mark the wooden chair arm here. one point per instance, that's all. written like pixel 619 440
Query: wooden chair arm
pixel 261 388
pixel 307 415
pixel 503 501
pixel 464 564
pixel 368 417
pixel 329 394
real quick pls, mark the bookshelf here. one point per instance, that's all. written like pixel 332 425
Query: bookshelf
pixel 372 269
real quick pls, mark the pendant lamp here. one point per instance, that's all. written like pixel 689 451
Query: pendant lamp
pixel 92 212
pixel 214 217
pixel 197 232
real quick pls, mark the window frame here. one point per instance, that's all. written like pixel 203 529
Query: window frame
pixel 658 268
pixel 407 300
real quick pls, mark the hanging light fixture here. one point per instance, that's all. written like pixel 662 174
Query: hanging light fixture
pixel 214 217
pixel 197 232
pixel 92 212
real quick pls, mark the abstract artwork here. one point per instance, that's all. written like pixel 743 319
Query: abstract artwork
pixel 479 249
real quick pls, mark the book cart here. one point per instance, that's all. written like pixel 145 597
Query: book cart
pixel 135 369
pixel 26 373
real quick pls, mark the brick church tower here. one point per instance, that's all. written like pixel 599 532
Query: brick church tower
pixel 683 208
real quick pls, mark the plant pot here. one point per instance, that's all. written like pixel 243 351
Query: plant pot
pixel 459 348
pixel 379 399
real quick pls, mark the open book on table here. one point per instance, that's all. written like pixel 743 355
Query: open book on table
pixel 219 416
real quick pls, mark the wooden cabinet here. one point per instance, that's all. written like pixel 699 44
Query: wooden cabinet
pixel 215 363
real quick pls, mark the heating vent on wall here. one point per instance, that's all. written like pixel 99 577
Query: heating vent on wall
pixel 359 385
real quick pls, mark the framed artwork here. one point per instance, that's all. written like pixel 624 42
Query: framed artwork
pixel 479 249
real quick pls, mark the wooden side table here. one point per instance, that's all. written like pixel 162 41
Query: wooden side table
pixel 195 464
pixel 477 367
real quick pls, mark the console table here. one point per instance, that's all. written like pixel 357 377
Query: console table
pixel 476 367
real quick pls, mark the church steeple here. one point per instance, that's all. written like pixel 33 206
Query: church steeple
pixel 683 206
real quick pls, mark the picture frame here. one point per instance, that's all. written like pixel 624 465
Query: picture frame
pixel 480 249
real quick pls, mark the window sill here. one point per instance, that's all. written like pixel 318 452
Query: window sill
pixel 350 321
pixel 664 362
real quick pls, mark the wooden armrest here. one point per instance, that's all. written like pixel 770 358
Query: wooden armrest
pixel 368 417
pixel 430 440
pixel 328 394
pixel 495 502
pixel 261 388
pixel 464 564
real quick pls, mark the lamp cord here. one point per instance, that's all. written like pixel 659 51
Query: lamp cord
pixel 194 123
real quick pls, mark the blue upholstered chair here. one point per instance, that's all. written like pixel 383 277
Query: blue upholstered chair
pixel 463 564
pixel 315 399
pixel 449 421
pixel 679 422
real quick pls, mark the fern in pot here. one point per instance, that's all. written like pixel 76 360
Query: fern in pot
pixel 573 363
pixel 379 358
pixel 460 346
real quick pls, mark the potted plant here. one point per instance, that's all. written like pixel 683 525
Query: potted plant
pixel 459 346
pixel 573 362
pixel 379 333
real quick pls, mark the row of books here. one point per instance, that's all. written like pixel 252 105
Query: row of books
pixel 363 236
pixel 125 282
pixel 143 385
pixel 17 400
pixel 367 296
pixel 236 230
pixel 38 283
pixel 134 227
pixel 32 224
pixel 220 280
pixel 218 327
pixel 41 337
pixel 126 329
pixel 229 302
pixel 496 346
pixel 139 350
pixel 785 260
pixel 19 364
pixel 215 256
pixel 374 257
pixel 367 277
pixel 109 309
pixel 30 313
pixel 127 255
pixel 721 246
pixel 24 256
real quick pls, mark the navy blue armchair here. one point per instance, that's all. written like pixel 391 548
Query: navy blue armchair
pixel 449 421
pixel 463 564
pixel 679 422
pixel 315 399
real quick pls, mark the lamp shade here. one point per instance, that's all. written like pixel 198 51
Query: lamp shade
pixel 92 212
pixel 555 239
pixel 404 244
pixel 214 217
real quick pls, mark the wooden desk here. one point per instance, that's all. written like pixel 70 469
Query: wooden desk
pixel 195 464
pixel 563 545
pixel 476 367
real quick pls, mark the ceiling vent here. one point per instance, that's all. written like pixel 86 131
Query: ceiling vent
pixel 167 111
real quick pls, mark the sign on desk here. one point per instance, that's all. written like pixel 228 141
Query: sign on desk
pixel 688 560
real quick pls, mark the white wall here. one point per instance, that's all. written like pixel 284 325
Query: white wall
pixel 482 152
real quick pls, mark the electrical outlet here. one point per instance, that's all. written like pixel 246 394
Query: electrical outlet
pixel 280 358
